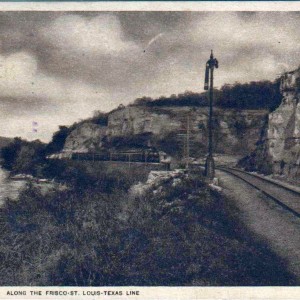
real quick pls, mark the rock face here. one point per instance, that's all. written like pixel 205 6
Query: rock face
pixel 282 139
pixel 137 120
pixel 278 150
pixel 86 137
pixel 235 132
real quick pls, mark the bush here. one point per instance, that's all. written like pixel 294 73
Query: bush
pixel 183 235
pixel 58 139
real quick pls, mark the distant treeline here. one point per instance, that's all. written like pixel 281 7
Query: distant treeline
pixel 253 95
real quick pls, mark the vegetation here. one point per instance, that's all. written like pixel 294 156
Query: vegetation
pixel 102 234
pixel 99 231
pixel 21 156
pixel 29 157
pixel 59 137
pixel 4 141
pixel 99 118
pixel 253 95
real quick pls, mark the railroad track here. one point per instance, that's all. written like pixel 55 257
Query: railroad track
pixel 287 198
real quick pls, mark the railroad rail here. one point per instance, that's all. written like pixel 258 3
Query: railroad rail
pixel 282 195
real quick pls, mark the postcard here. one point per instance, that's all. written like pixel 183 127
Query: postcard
pixel 149 150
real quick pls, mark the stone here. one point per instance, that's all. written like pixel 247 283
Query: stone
pixel 279 149
pixel 87 137
pixel 235 131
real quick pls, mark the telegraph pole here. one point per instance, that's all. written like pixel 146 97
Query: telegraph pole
pixel 188 142
pixel 209 85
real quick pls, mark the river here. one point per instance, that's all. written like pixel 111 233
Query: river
pixel 9 188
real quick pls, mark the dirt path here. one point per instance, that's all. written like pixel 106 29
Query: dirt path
pixel 279 228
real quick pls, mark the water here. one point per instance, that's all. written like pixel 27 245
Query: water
pixel 9 188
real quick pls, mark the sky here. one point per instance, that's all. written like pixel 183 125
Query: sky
pixel 57 68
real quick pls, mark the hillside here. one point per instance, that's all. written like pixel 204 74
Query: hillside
pixel 240 114
pixel 235 131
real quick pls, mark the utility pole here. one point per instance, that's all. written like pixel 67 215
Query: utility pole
pixel 209 85
pixel 188 142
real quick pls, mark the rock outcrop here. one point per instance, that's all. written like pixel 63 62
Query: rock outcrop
pixel 86 137
pixel 283 136
pixel 279 149
pixel 235 131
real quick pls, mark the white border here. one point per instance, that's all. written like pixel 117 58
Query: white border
pixel 153 6
pixel 158 293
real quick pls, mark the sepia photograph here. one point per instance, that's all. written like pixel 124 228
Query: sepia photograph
pixel 149 149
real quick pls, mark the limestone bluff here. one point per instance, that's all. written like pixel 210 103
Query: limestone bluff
pixel 269 142
pixel 235 131
pixel 278 150
pixel 284 128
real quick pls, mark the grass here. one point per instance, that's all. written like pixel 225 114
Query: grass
pixel 178 232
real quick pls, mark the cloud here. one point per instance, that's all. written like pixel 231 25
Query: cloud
pixel 23 87
pixel 20 78
pixel 97 35
pixel 41 79
pixel 57 67
pixel 249 47
pixel 262 30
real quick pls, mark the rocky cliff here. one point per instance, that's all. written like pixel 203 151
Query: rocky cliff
pixel 279 149
pixel 86 137
pixel 235 131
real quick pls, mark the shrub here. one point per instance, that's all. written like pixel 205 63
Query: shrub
pixel 185 234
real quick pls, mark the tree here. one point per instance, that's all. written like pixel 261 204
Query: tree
pixel 142 101
pixel 58 140
pixel 10 152
pixel 22 156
